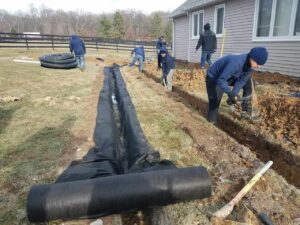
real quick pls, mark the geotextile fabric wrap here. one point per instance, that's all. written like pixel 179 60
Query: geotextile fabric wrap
pixel 115 194
pixel 109 180
pixel 104 159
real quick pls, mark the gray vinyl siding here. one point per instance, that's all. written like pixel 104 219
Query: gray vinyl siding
pixel 284 56
pixel 181 37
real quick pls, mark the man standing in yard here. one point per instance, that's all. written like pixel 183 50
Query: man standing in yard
pixel 168 67
pixel 232 70
pixel 208 41
pixel 77 45
pixel 160 44
pixel 138 54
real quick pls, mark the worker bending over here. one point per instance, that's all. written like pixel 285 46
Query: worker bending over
pixel 168 67
pixel 231 70
pixel 138 54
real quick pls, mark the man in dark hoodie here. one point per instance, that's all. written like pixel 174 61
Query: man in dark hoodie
pixel 160 44
pixel 232 70
pixel 168 67
pixel 208 41
pixel 139 55
pixel 77 45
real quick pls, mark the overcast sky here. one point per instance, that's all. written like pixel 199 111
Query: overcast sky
pixel 95 6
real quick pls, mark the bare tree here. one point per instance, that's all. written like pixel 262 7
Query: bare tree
pixel 129 24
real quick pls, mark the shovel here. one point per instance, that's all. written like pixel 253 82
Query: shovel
pixel 227 209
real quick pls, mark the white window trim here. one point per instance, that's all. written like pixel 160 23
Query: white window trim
pixel 215 19
pixel 173 38
pixel 192 28
pixel 289 37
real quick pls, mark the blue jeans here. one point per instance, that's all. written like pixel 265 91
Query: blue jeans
pixel 205 57
pixel 141 62
pixel 80 61
pixel 215 94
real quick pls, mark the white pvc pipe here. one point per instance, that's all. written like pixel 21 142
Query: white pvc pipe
pixel 26 61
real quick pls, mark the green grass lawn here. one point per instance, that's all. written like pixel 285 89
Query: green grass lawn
pixel 48 123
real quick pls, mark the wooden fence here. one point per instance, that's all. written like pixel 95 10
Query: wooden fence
pixel 18 40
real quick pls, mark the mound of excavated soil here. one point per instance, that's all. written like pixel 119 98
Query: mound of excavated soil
pixel 192 80
pixel 281 118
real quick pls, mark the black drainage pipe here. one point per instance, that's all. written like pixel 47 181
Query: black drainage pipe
pixel 90 188
pixel 115 194
pixel 104 159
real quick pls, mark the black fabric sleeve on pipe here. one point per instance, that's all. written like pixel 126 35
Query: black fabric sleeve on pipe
pixel 104 159
pixel 90 187
pixel 135 141
pixel 116 194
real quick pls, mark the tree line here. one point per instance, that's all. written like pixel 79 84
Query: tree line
pixel 123 24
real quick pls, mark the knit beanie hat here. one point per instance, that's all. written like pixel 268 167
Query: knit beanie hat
pixel 207 26
pixel 259 55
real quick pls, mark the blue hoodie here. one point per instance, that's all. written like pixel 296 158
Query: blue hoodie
pixel 167 64
pixel 77 45
pixel 139 51
pixel 160 44
pixel 231 67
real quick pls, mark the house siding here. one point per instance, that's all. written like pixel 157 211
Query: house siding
pixel 181 37
pixel 284 56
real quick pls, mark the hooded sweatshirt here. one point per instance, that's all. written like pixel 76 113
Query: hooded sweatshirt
pixel 77 45
pixel 230 68
pixel 208 40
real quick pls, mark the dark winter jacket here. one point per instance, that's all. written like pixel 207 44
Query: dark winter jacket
pixel 160 44
pixel 139 51
pixel 159 57
pixel 208 41
pixel 167 64
pixel 233 68
pixel 77 45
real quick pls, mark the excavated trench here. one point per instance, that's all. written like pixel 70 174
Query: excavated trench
pixel 285 163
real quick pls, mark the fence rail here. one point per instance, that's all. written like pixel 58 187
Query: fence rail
pixel 19 40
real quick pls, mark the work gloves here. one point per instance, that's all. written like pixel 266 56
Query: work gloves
pixel 232 99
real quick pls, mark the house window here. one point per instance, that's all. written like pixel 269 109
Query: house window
pixel 219 19
pixel 197 25
pixel 264 18
pixel 283 17
pixel 277 19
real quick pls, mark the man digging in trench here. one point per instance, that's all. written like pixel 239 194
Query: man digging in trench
pixel 232 70
pixel 168 67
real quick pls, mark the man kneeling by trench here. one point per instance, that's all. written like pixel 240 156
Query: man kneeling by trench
pixel 232 70
pixel 168 67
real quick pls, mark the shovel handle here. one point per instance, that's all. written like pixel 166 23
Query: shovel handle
pixel 250 184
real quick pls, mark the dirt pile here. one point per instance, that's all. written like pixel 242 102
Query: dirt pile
pixel 281 118
pixel 274 78
pixel 190 79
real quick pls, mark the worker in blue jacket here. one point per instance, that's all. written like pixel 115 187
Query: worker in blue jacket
pixel 160 44
pixel 138 54
pixel 78 47
pixel 159 57
pixel 168 67
pixel 231 70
